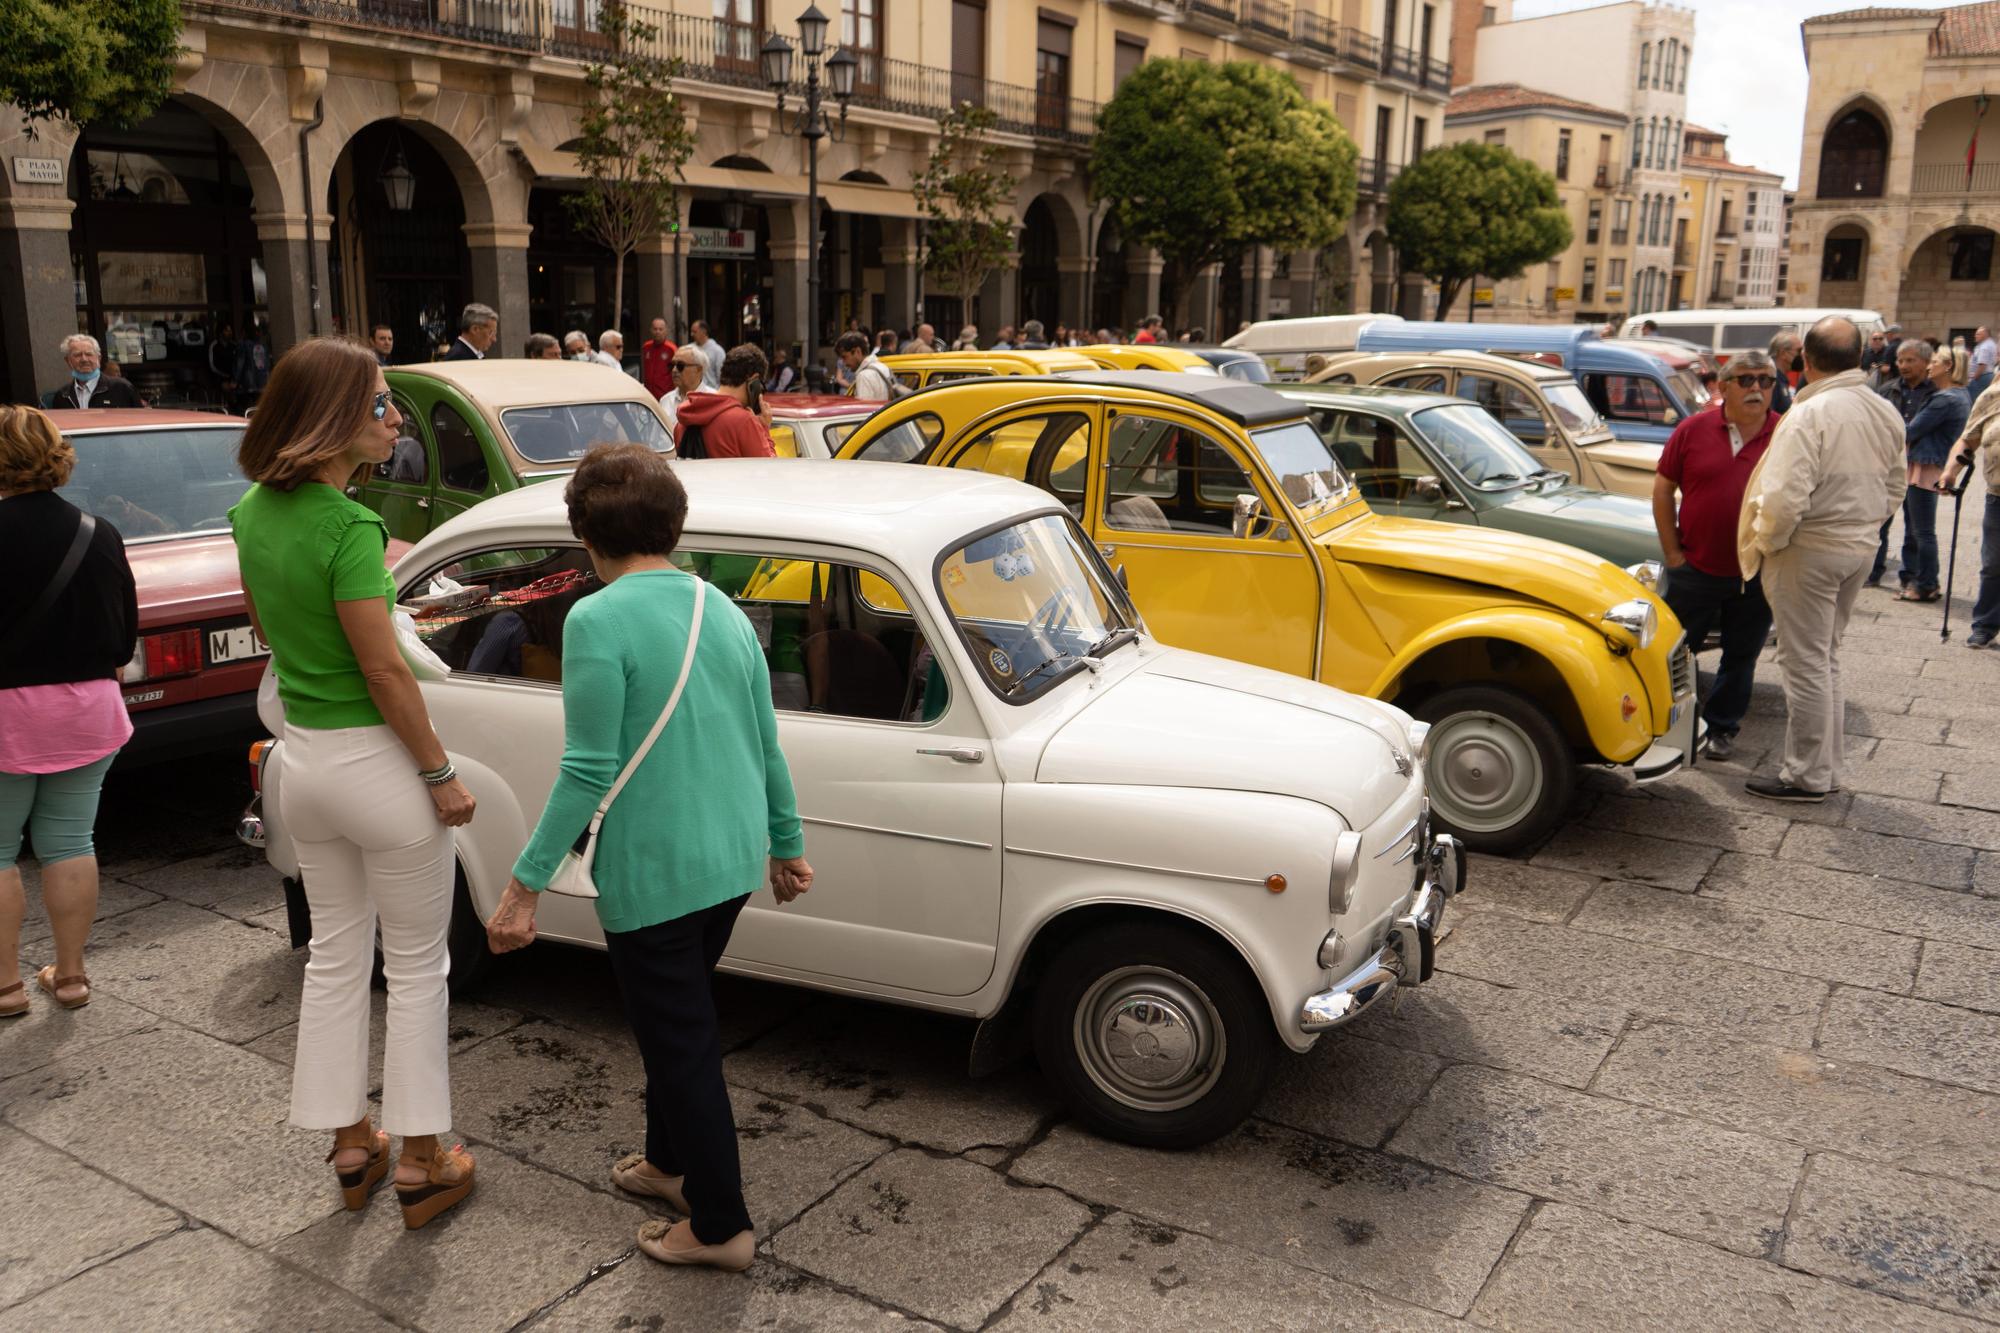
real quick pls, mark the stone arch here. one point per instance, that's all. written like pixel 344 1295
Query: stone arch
pixel 861 177
pixel 1947 282
pixel 462 127
pixel 742 162
pixel 1938 165
pixel 1854 153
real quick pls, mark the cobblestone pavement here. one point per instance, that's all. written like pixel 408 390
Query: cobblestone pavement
pixel 1699 1062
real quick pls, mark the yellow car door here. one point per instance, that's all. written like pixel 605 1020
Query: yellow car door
pixel 1209 554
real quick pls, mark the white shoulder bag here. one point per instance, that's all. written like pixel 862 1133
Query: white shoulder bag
pixel 573 877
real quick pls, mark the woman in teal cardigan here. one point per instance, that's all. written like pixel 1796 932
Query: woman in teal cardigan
pixel 705 820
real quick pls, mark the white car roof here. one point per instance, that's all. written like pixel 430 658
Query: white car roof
pixel 903 511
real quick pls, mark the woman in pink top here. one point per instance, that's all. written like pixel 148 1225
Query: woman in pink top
pixel 69 615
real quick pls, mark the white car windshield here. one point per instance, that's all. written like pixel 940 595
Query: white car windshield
pixel 158 483
pixel 1572 408
pixel 1477 447
pixel 1032 603
pixel 564 431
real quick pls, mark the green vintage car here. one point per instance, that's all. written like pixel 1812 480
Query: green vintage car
pixel 1428 455
pixel 472 429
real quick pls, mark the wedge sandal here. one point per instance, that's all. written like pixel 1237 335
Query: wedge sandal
pixel 14 1008
pixel 53 984
pixel 358 1182
pixel 450 1181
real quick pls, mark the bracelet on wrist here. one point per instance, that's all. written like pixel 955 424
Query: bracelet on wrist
pixel 440 777
pixel 429 773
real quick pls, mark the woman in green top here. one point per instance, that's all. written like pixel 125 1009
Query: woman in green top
pixel 369 797
pixel 707 817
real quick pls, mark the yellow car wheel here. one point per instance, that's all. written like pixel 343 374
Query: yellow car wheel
pixel 1499 773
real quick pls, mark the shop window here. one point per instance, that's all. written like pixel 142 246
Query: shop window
pixel 461 460
pixel 1841 260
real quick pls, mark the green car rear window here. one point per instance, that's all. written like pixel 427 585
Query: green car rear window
pixel 562 432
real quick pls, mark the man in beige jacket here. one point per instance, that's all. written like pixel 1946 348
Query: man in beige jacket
pixel 1835 470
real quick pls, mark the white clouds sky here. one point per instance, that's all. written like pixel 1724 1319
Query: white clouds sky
pixel 1749 72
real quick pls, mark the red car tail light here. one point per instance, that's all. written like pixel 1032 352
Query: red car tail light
pixel 175 653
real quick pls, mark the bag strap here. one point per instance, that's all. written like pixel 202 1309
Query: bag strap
pixel 65 573
pixel 687 667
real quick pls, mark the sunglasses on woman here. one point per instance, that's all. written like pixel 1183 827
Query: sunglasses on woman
pixel 381 405
pixel 1756 381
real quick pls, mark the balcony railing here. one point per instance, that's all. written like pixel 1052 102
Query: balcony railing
pixel 1951 178
pixel 1375 174
pixel 1224 10
pixel 1316 32
pixel 1272 18
pixel 709 50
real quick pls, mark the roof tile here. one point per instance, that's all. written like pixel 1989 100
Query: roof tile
pixel 1490 97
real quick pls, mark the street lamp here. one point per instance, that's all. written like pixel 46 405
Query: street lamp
pixel 811 124
pixel 399 183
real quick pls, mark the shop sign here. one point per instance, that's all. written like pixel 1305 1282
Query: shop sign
pixel 718 242
pixel 1565 293
pixel 38 170
pixel 1483 295
pixel 1614 293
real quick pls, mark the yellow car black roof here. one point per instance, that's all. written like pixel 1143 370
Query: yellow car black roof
pixel 1244 404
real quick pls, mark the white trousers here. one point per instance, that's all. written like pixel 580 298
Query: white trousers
pixel 370 849
pixel 1811 595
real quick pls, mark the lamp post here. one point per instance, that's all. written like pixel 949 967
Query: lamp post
pixel 812 125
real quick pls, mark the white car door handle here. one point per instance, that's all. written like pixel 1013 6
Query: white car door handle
pixel 958 754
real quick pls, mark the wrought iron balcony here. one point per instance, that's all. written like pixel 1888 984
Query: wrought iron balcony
pixel 717 51
pixel 1271 18
pixel 1374 175
pixel 1316 32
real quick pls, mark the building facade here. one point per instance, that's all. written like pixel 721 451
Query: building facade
pixel 1584 147
pixel 1631 57
pixel 326 165
pixel 1899 190
pixel 1730 228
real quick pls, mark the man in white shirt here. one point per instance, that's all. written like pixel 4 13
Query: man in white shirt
pixel 688 368
pixel 711 354
pixel 1834 472
pixel 872 379
pixel 610 349
pixel 1985 356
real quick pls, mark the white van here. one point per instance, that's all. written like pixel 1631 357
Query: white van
pixel 1728 331
pixel 1285 343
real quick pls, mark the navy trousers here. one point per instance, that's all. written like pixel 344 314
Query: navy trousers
pixel 1703 601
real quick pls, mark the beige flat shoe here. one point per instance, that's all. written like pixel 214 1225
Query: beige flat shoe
pixel 635 1175
pixel 676 1244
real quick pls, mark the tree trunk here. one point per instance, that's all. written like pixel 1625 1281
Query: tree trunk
pixel 618 293
pixel 1447 293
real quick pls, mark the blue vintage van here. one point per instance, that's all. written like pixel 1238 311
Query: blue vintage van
pixel 1638 394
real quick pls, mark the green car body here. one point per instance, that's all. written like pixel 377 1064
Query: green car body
pixel 472 429
pixel 1431 456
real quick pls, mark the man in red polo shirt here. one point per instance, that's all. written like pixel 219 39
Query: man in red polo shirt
pixel 1708 459
pixel 656 360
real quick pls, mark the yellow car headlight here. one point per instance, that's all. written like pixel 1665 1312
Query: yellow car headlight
pixel 1638 616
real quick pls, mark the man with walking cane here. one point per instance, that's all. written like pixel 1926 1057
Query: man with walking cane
pixel 1986 607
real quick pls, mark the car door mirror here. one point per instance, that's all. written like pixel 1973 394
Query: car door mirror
pixel 1428 489
pixel 1248 513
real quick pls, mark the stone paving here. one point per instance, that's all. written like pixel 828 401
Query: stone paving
pixel 1699 1062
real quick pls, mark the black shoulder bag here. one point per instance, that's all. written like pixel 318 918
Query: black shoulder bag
pixel 65 574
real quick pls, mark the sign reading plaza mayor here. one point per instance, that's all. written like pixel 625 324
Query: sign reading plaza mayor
pixel 38 170
pixel 721 241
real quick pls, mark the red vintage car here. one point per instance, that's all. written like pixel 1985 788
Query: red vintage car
pixel 166 481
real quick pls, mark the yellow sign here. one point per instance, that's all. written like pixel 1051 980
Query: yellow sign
pixel 1614 293
pixel 1483 294
pixel 1565 293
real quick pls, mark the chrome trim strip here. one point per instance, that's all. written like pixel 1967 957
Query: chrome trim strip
pixel 897 833
pixel 1398 841
pixel 1134 865
pixel 1122 538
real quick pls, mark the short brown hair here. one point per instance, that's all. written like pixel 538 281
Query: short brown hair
pixel 317 401
pixel 625 500
pixel 33 454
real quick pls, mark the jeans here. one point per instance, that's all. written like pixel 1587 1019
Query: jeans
pixel 58 809
pixel 1986 610
pixel 664 975
pixel 1882 554
pixel 1920 551
pixel 370 850
pixel 1700 601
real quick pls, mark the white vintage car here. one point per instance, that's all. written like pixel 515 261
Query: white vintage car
pixel 1162 867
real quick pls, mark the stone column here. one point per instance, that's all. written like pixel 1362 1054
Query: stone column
pixel 1000 298
pixel 791 262
pixel 1305 272
pixel 1204 305
pixel 900 283
pixel 1143 267
pixel 653 266
pixel 500 279
pixel 37 293
pixel 296 278
pixel 1258 267
pixel 1073 303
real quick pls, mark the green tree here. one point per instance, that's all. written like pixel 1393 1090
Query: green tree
pixel 1471 209
pixel 92 62
pixel 635 141
pixel 1203 161
pixel 964 192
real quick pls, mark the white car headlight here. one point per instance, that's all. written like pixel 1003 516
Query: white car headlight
pixel 1647 572
pixel 1638 616
pixel 1346 870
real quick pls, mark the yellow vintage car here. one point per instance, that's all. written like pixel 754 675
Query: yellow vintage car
pixel 1239 533
pixel 920 370
pixel 1146 356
